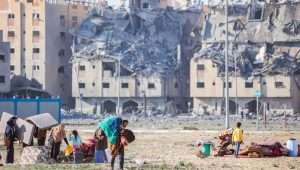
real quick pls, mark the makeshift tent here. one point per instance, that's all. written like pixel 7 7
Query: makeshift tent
pixel 42 121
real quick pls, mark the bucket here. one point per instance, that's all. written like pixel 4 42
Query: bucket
pixel 68 150
pixel 292 146
pixel 206 149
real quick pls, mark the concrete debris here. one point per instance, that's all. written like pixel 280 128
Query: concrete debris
pixel 145 41
pixel 292 28
pixel 262 37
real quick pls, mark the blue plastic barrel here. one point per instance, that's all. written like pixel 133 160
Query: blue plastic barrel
pixel 292 146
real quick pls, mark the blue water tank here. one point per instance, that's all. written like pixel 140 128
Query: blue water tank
pixel 292 146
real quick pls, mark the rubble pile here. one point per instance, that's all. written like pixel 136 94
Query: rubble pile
pixel 146 41
pixel 263 37
pixel 246 60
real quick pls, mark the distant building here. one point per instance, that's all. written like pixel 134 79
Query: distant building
pixel 96 88
pixel 4 66
pixel 280 93
pixel 40 43
pixel 264 50
pixel 153 47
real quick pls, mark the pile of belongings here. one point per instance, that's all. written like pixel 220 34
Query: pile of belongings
pixel 88 149
pixel 265 149
pixel 225 140
pixel 84 154
pixel 35 155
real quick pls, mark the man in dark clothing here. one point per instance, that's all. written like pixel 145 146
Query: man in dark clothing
pixel 9 138
pixel 242 114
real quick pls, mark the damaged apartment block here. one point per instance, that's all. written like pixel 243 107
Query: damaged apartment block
pixel 263 57
pixel 136 58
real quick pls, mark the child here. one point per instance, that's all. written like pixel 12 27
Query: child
pixel 75 140
pixel 237 138
pixel 101 145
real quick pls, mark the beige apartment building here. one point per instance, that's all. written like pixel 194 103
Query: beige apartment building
pixel 97 86
pixel 4 66
pixel 279 92
pixel 38 31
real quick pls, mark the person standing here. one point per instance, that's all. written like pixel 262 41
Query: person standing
pixel 238 138
pixel 9 138
pixel 117 150
pixel 57 134
pixel 242 115
pixel 118 137
pixel 76 141
pixel 101 145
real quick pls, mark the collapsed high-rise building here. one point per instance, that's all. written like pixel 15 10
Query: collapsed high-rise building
pixel 139 58
pixel 263 58
pixel 135 59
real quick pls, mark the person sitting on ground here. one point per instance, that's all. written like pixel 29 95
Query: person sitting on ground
pixel 57 134
pixel 75 141
pixel 117 150
pixel 100 147
pixel 237 138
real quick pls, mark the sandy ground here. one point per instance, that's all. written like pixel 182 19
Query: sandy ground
pixel 173 148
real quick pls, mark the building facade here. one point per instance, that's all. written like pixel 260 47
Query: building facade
pixel 279 93
pixel 97 88
pixel 4 66
pixel 38 31
pixel 262 50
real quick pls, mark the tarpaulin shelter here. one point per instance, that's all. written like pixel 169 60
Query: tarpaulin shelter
pixel 42 121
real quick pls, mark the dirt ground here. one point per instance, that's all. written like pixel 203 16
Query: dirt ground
pixel 174 149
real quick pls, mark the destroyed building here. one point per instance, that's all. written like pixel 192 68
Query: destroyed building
pixel 263 58
pixel 140 55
